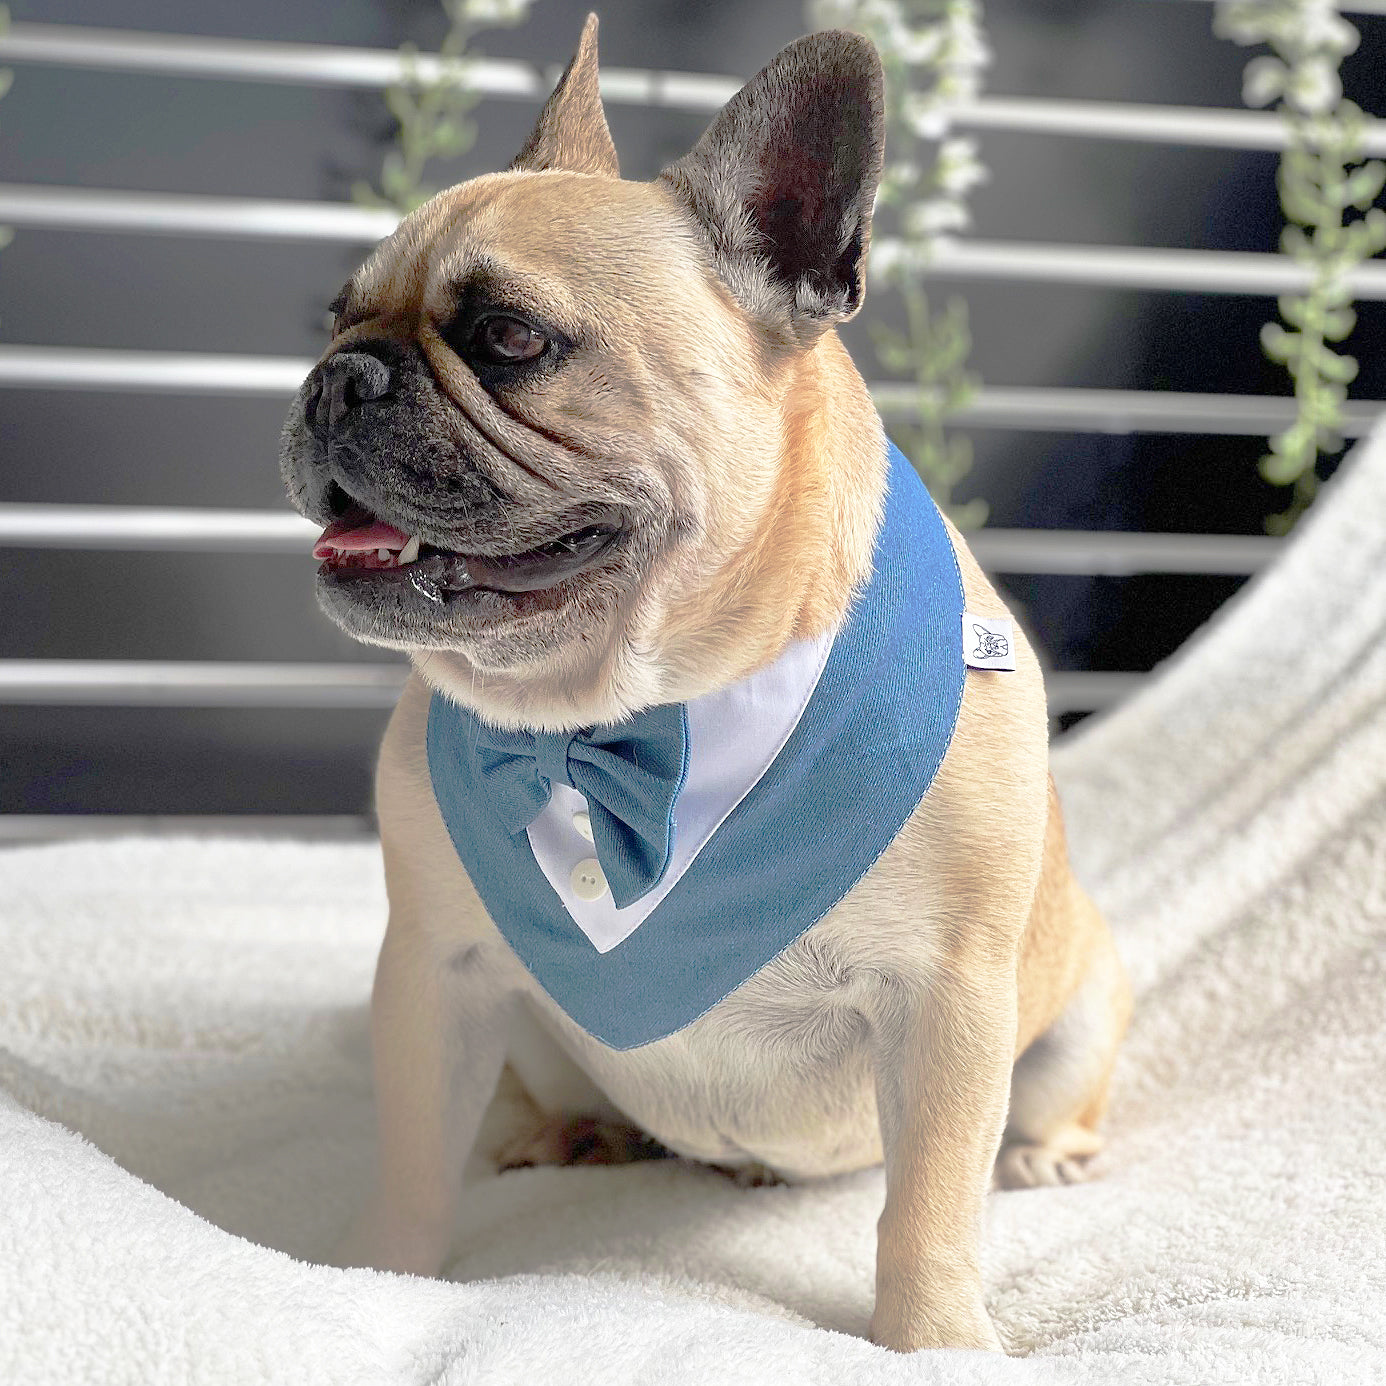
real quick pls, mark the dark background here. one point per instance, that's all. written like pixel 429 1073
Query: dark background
pixel 155 133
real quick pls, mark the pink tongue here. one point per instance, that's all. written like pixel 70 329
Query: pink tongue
pixel 343 537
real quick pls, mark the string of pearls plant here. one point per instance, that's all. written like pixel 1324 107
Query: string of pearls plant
pixel 933 52
pixel 1322 181
pixel 431 114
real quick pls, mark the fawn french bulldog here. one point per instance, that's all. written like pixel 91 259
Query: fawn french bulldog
pixel 718 800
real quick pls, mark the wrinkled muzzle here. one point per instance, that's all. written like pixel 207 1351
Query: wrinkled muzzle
pixel 369 429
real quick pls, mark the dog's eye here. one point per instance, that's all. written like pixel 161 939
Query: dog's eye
pixel 503 340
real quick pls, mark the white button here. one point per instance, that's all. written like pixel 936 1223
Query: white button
pixel 582 821
pixel 587 880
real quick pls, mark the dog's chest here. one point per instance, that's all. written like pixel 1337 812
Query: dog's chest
pixel 779 1073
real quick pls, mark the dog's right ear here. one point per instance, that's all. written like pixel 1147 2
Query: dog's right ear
pixel 784 181
pixel 571 132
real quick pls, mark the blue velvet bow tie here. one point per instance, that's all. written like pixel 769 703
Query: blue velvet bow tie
pixel 630 774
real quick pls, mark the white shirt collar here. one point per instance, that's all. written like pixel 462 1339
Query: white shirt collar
pixel 734 734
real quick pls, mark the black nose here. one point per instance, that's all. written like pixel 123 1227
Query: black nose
pixel 349 379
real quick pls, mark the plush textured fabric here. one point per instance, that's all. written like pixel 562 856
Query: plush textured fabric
pixel 197 1012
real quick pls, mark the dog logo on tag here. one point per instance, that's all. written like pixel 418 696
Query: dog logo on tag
pixel 989 644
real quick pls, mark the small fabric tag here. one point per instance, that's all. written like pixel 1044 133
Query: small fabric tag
pixel 988 642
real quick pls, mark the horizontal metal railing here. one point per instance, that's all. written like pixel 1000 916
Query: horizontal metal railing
pixel 224 684
pixel 1345 6
pixel 1070 410
pixel 191 214
pixel 1099 266
pixel 306 64
pixel 154 529
pixel 1057 409
pixel 169 529
pixel 155 372
pixel 1158 269
pixel 221 683
pixel 1088 690
pixel 375 685
pixel 1098 553
pixel 1141 122
pixel 16 829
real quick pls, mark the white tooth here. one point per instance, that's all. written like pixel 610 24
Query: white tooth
pixel 384 555
pixel 410 551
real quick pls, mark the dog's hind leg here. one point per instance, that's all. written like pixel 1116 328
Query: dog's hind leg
pixel 1059 1084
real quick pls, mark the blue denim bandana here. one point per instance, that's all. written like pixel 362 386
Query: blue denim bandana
pixel 861 756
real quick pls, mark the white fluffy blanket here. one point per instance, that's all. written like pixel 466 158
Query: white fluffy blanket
pixel 196 1011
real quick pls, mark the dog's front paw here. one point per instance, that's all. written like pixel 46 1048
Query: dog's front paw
pixel 377 1241
pixel 945 1321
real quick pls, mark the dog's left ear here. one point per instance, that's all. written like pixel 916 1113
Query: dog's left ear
pixel 571 132
pixel 784 181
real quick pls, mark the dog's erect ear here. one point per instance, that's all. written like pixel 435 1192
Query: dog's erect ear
pixel 784 180
pixel 571 131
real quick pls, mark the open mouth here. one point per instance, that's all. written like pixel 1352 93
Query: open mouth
pixel 361 543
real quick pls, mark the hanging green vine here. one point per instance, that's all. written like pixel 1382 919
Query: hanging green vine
pixel 431 113
pixel 933 53
pixel 1322 180
pixel 933 349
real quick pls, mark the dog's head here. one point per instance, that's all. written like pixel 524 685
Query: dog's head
pixel 575 438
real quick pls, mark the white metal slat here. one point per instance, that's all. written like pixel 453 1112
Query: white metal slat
pixel 17 829
pixel 1124 267
pixel 1345 6
pixel 169 529
pixel 1020 407
pixel 307 64
pixel 158 372
pixel 181 683
pixel 365 685
pixel 138 683
pixel 190 214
